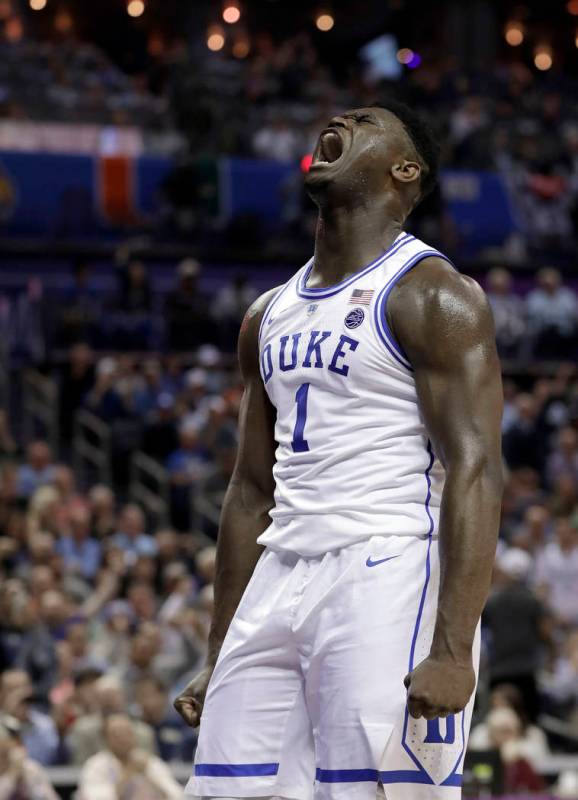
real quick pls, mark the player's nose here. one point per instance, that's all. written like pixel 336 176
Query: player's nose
pixel 337 122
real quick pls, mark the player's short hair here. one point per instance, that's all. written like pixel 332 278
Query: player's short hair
pixel 423 138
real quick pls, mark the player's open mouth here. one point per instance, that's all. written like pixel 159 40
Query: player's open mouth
pixel 329 148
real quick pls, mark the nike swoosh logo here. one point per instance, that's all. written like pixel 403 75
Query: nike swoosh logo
pixel 370 563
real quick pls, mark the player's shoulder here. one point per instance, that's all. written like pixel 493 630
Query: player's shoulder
pixel 434 286
pixel 248 345
pixel 437 309
pixel 256 311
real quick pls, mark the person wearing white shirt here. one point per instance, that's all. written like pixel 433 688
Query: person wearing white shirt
pixel 123 772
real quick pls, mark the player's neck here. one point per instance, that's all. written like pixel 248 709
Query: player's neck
pixel 347 240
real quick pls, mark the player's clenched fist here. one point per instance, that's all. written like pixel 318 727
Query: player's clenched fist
pixel 189 703
pixel 436 688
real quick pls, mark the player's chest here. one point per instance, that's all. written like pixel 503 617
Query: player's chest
pixel 307 340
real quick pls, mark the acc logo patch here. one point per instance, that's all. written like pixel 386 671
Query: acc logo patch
pixel 354 318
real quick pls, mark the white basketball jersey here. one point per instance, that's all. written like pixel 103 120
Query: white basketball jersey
pixel 353 458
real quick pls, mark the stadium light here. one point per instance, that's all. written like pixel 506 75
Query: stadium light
pixel 231 12
pixel 543 59
pixel 135 8
pixel 325 21
pixel 215 38
pixel 37 5
pixel 572 7
pixel 405 55
pixel 514 34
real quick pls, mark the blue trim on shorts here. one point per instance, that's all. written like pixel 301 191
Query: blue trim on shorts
pixel 235 770
pixel 385 777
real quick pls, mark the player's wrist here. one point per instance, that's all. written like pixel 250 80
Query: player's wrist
pixel 459 655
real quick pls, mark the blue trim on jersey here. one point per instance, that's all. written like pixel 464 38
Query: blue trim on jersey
pixel 450 780
pixel 405 746
pixel 379 309
pixel 270 305
pixel 329 291
pixel 235 770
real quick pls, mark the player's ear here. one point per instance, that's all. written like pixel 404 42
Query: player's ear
pixel 406 171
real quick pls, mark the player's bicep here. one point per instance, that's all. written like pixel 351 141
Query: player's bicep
pixel 256 452
pixel 451 346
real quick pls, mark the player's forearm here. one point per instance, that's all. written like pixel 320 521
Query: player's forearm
pixel 469 523
pixel 244 517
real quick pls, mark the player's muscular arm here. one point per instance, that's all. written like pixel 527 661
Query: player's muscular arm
pixel 245 513
pixel 443 322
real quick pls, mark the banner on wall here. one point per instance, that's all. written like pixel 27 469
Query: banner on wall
pixel 74 196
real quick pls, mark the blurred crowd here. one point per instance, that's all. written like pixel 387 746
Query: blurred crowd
pixel 104 611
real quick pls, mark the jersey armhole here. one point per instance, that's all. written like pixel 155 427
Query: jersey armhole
pixel 380 309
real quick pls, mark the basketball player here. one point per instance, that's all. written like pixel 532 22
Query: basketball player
pixel 358 532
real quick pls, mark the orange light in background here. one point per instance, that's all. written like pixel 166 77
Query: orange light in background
pixel 543 58
pixel 231 13
pixel 155 45
pixel 135 8
pixel 405 55
pixel 241 48
pixel 38 5
pixel 514 34
pixel 215 38
pixel 325 22
pixel 13 30
pixel 63 22
pixel 576 39
pixel 572 7
pixel 5 9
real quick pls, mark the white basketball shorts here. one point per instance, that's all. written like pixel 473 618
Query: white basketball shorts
pixel 307 698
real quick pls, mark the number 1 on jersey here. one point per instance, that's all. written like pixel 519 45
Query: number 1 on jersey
pixel 299 444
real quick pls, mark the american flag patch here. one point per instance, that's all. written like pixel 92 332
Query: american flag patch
pixel 361 297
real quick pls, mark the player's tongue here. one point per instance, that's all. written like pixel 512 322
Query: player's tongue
pixel 331 146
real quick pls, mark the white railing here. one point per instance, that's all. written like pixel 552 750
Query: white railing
pixel 40 408
pixel 92 445
pixel 149 486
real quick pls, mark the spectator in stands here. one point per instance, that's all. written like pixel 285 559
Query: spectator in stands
pixel 522 443
pixel 560 684
pixel 131 536
pixel 552 311
pixel 37 654
pixel 508 311
pixel 86 736
pixel 37 471
pixel 20 776
pixel 517 750
pixel 123 770
pixel 535 530
pixel 516 622
pixel 160 436
pixel 131 327
pixel 186 465
pixel 563 460
pixel 505 695
pixel 76 380
pixel 278 141
pixel 187 311
pixel 110 639
pixel 174 740
pixel 104 400
pixel 37 730
pixel 557 573
pixel 80 552
pixel 78 309
pixel 146 396
pixel 231 304
pixel 102 507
